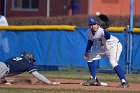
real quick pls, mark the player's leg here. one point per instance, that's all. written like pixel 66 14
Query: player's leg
pixel 94 55
pixel 115 53
pixel 92 69
pixel 3 69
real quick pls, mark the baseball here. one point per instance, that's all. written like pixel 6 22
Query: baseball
pixel 98 13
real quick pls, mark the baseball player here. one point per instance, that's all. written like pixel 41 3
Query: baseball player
pixel 3 40
pixel 3 21
pixel 17 65
pixel 108 46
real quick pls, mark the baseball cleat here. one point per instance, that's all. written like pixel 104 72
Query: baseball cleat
pixel 94 82
pixel 90 82
pixel 124 85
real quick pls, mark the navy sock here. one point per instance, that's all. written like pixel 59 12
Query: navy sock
pixel 120 72
pixel 92 69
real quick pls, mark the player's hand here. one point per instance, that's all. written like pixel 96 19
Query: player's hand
pixel 86 55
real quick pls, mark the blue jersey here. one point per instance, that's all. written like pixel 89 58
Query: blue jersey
pixel 19 65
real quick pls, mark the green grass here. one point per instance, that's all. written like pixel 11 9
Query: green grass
pixel 29 90
pixel 135 78
pixel 14 90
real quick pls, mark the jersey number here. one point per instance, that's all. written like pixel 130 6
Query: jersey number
pixel 17 58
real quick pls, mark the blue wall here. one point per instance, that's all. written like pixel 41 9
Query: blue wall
pixel 62 48
pixel 59 48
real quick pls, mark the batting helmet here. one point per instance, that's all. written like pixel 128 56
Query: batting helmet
pixel 29 56
pixel 92 21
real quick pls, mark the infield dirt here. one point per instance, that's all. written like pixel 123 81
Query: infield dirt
pixel 66 84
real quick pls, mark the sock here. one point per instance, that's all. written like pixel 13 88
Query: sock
pixel 92 69
pixel 120 73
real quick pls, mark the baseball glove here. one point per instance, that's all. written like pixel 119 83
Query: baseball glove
pixel 103 20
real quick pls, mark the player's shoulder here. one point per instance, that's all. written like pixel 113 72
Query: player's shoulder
pixel 89 33
pixel 17 58
pixel 114 37
pixel 100 29
pixel 14 59
pixel 88 30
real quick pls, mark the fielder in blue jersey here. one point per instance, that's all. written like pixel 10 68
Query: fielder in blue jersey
pixel 108 46
pixel 20 64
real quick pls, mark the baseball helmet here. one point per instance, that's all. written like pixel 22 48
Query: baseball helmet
pixel 92 21
pixel 29 56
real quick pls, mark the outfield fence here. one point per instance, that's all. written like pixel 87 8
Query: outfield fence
pixel 60 46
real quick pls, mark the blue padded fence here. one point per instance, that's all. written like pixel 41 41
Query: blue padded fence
pixel 60 48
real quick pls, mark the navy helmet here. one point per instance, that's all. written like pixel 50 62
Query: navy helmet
pixel 92 21
pixel 29 56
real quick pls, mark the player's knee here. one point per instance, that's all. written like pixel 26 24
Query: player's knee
pixel 113 64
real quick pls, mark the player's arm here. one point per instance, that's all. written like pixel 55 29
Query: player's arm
pixel 41 77
pixel 88 48
pixel 106 34
pixel 89 45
